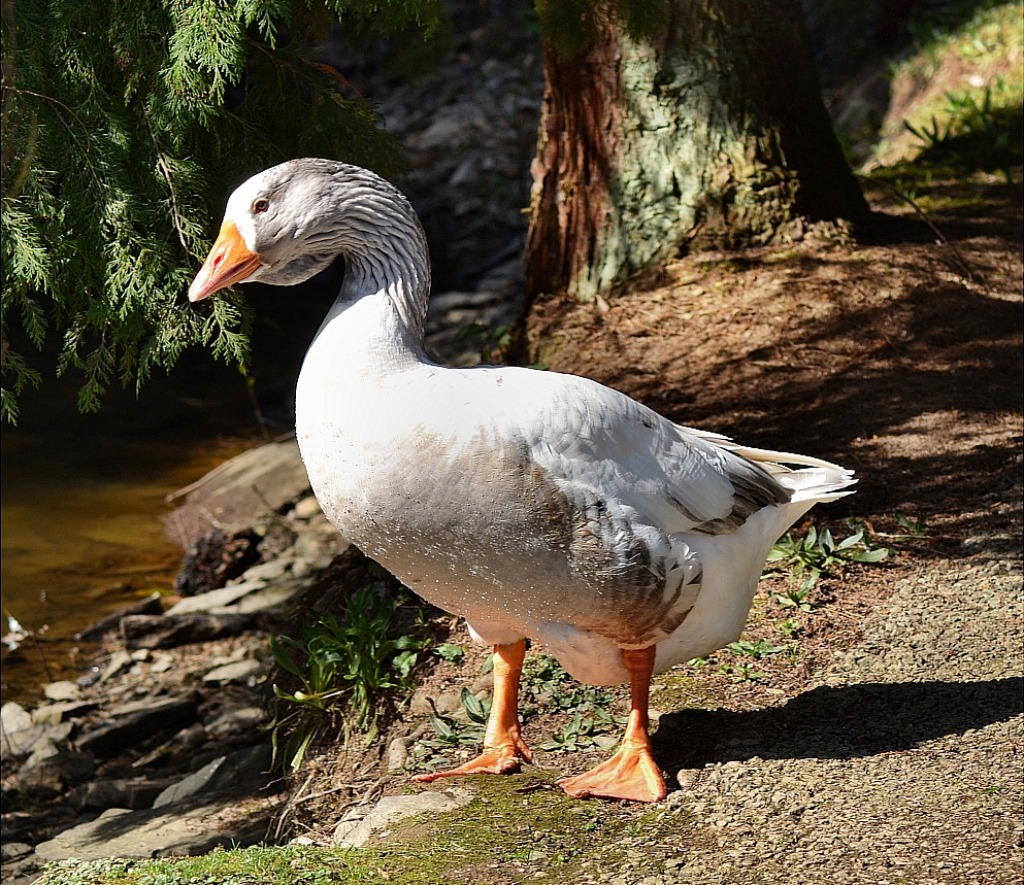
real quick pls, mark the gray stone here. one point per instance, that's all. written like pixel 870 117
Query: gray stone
pixel 15 723
pixel 267 571
pixel 398 753
pixel 214 599
pixel 353 832
pixel 137 721
pixel 236 671
pixel 133 793
pixel 144 631
pixel 262 480
pixel 226 773
pixel 162 664
pixel 307 508
pixel 43 749
pixel 118 661
pixel 62 691
pixel 426 700
pixel 14 850
pixel 50 770
pixel 151 605
pixel 272 596
pixel 52 714
pixel 235 722
pixel 20 737
pixel 153 833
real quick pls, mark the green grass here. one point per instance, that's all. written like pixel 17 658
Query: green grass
pixel 515 821
pixel 976 122
pixel 256 865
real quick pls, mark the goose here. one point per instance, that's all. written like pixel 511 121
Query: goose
pixel 538 506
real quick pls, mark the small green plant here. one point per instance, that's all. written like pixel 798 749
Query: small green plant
pixel 913 527
pixel 450 652
pixel 741 672
pixel 790 627
pixel 547 687
pixel 796 597
pixel 460 734
pixel 973 130
pixel 815 554
pixel 579 732
pixel 762 648
pixel 756 650
pixel 345 666
pixel 450 733
pixel 934 135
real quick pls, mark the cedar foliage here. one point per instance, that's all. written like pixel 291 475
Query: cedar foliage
pixel 124 123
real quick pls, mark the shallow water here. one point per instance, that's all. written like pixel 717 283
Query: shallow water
pixel 82 501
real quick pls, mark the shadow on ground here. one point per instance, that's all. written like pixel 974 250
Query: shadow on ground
pixel 836 722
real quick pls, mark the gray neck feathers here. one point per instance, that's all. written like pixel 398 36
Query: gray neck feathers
pixel 384 246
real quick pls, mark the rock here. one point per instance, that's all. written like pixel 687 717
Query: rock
pixel 265 572
pixel 272 596
pixel 239 770
pixel 133 793
pixel 144 631
pixel 237 671
pixel 306 508
pixel 15 722
pixel 50 770
pixel 162 664
pixel 174 830
pixel 353 832
pixel 216 558
pixel 687 777
pixel 262 480
pixel 53 714
pixel 214 599
pixel 398 753
pixel 235 722
pixel 426 700
pixel 136 722
pixel 151 605
pixel 14 850
pixel 62 691
pixel 118 661
pixel 20 737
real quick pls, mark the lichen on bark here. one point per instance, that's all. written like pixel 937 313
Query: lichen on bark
pixel 709 131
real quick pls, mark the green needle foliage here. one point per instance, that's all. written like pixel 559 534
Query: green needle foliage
pixel 124 126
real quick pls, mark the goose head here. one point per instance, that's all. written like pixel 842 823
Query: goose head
pixel 288 223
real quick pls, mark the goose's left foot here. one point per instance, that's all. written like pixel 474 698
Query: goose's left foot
pixel 632 772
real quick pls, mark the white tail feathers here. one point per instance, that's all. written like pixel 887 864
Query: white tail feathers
pixel 817 482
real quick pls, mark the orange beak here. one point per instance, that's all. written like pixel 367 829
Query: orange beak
pixel 230 261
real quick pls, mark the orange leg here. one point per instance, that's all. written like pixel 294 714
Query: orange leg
pixel 504 749
pixel 632 772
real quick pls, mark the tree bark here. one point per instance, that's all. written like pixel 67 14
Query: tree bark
pixel 711 133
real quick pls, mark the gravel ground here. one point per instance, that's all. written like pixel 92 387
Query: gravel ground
pixel 909 742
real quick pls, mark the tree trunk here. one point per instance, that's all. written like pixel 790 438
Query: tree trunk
pixel 711 133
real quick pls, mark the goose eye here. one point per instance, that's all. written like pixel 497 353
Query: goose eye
pixel 260 206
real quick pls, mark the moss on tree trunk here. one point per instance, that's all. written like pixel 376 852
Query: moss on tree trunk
pixel 710 133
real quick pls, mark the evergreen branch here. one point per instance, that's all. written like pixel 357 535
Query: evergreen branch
pixel 161 160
